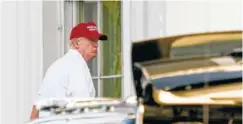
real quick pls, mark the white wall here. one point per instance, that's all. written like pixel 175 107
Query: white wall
pixel 162 18
pixel 21 59
pixel 201 16
pixel 136 23
pixel 187 17
pixel 225 15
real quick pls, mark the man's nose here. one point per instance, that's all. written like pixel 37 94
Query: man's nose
pixel 95 44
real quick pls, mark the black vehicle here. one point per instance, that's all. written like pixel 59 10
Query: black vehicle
pixel 193 78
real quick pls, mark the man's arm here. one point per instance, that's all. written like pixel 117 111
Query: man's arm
pixel 34 113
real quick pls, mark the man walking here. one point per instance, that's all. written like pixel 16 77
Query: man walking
pixel 70 76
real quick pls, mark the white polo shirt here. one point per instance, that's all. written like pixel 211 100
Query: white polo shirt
pixel 69 76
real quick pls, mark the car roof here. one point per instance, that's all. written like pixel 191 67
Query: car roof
pixel 174 37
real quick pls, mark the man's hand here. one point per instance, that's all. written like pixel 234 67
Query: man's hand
pixel 34 113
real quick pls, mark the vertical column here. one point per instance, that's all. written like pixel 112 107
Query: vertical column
pixel 21 53
pixel 138 19
pixel 61 28
pixel 68 22
pixel 51 45
pixel 99 69
pixel 9 50
pixel 146 18
pixel 127 82
pixel 156 19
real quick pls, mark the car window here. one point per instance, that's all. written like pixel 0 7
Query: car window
pixel 174 82
pixel 205 45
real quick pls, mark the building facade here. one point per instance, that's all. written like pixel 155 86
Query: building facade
pixel 34 34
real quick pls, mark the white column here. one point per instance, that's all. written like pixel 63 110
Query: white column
pixel 52 33
pixel 127 83
pixel 68 21
pixel 9 62
pixel 138 21
pixel 21 59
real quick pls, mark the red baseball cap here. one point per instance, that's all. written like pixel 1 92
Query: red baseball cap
pixel 87 30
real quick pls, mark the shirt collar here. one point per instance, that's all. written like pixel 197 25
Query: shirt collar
pixel 76 53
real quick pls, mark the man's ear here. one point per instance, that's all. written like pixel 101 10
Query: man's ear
pixel 75 43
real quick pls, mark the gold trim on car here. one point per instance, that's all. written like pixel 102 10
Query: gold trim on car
pixel 197 40
pixel 230 94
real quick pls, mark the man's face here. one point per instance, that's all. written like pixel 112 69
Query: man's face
pixel 89 47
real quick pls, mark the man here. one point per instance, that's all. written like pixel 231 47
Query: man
pixel 69 76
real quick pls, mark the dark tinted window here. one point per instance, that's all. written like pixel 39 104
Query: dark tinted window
pixel 145 51
pixel 212 48
pixel 195 79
